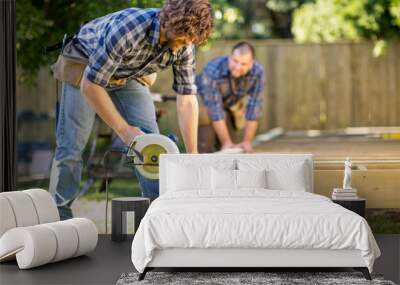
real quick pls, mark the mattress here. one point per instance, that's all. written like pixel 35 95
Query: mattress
pixel 250 219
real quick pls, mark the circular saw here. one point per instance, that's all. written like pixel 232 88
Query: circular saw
pixel 145 151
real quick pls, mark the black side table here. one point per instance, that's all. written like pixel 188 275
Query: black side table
pixel 355 205
pixel 120 206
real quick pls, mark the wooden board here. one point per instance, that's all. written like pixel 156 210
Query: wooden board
pixel 381 188
pixel 376 164
pixel 336 147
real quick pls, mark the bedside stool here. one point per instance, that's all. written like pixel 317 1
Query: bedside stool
pixel 355 205
pixel 119 208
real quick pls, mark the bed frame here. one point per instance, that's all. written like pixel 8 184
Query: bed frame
pixel 242 259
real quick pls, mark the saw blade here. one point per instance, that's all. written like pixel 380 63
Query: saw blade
pixel 151 154
pixel 150 147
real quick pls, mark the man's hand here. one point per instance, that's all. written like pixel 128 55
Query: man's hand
pixel 129 133
pixel 188 117
pixel 246 146
pixel 222 132
pixel 249 133
pixel 228 145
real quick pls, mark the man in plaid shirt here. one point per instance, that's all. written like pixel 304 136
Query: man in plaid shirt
pixel 122 48
pixel 223 85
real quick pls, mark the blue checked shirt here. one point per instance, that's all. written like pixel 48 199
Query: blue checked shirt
pixel 215 90
pixel 125 44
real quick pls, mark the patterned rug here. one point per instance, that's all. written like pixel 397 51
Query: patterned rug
pixel 244 278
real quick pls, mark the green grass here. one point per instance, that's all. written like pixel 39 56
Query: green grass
pixel 382 225
pixel 116 188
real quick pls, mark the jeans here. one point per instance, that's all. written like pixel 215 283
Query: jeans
pixel 74 125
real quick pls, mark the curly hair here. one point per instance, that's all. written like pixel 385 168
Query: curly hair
pixel 190 18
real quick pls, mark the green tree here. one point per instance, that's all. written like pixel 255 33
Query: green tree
pixel 41 23
pixel 395 11
pixel 333 20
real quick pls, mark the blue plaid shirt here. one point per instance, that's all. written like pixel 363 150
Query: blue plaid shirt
pixel 125 44
pixel 214 88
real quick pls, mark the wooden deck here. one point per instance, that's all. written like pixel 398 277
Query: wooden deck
pixel 376 164
pixel 337 148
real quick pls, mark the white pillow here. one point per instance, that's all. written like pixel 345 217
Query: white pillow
pixel 183 177
pixel 282 174
pixel 251 178
pixel 293 180
pixel 223 179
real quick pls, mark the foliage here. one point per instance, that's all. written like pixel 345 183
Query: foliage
pixel 333 20
pixel 319 21
pixel 256 19
pixel 44 22
pixel 40 23
pixel 395 12
pixel 146 3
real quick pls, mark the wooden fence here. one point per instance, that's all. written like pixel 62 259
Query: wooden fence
pixel 308 86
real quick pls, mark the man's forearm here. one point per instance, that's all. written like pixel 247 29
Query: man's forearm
pixel 188 117
pixel 221 129
pixel 250 131
pixel 101 102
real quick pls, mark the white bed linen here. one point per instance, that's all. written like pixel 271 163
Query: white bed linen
pixel 252 218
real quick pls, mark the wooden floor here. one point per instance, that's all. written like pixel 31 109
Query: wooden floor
pixel 106 264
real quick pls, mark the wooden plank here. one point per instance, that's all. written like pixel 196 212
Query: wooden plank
pixel 281 87
pixel 303 87
pixel 381 188
pixel 355 83
pixel 315 70
pixel 337 86
pixel 392 95
pixel 360 67
pixel 262 58
pixel 271 91
pixel 396 63
pixel 381 90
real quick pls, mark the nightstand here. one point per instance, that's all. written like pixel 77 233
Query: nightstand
pixel 355 205
pixel 120 207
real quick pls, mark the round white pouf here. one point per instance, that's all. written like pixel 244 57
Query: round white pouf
pixel 87 235
pixel 37 245
pixel 7 218
pixel 23 208
pixel 46 208
pixel 32 246
pixel 67 240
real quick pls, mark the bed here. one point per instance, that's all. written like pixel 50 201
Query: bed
pixel 247 210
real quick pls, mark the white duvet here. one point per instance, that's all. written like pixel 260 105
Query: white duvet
pixel 253 218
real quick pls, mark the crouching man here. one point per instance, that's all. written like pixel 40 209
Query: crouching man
pixel 223 87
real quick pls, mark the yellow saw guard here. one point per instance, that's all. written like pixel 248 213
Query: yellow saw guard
pixel 150 146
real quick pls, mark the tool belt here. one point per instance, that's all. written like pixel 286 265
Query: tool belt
pixel 71 64
pixel 236 113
